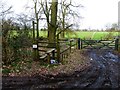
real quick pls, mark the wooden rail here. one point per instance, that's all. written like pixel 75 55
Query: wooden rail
pixel 64 47
pixel 48 55
pixel 66 51
pixel 61 51
pixel 100 44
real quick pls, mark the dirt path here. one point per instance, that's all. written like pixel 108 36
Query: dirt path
pixel 103 73
pixel 108 64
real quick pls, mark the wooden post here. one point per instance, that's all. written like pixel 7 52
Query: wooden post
pixel 53 54
pixel 70 45
pixel 116 44
pixel 78 43
pixel 81 44
pixel 48 58
pixel 37 26
pixel 58 49
pixel 34 42
pixel 33 23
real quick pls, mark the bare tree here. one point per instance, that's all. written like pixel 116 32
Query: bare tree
pixel 46 9
pixel 53 23
pixel 51 18
pixel 24 21
pixel 50 10
pixel 66 12
pixel 37 11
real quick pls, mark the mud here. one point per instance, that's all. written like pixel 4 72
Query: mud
pixel 103 73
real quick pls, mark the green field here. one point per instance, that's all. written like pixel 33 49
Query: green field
pixel 81 34
pixel 85 34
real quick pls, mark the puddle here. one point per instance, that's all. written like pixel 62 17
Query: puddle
pixel 110 55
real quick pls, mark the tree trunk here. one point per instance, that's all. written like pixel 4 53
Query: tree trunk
pixel 63 24
pixel 53 25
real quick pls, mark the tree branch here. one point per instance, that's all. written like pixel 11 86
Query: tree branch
pixel 64 29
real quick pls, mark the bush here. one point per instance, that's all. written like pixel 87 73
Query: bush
pixel 20 41
pixel 17 47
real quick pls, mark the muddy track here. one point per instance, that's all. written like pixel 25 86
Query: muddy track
pixel 109 67
pixel 103 73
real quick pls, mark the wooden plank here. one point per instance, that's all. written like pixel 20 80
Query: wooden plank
pixel 43 56
pixel 51 50
pixel 42 46
pixel 42 50
pixel 42 41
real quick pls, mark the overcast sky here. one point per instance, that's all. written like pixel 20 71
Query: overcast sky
pixel 96 13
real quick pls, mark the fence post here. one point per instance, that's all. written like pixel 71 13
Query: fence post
pixel 116 44
pixel 81 44
pixel 35 42
pixel 34 51
pixel 78 43
pixel 58 49
pixel 70 45
pixel 48 57
pixel 53 54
